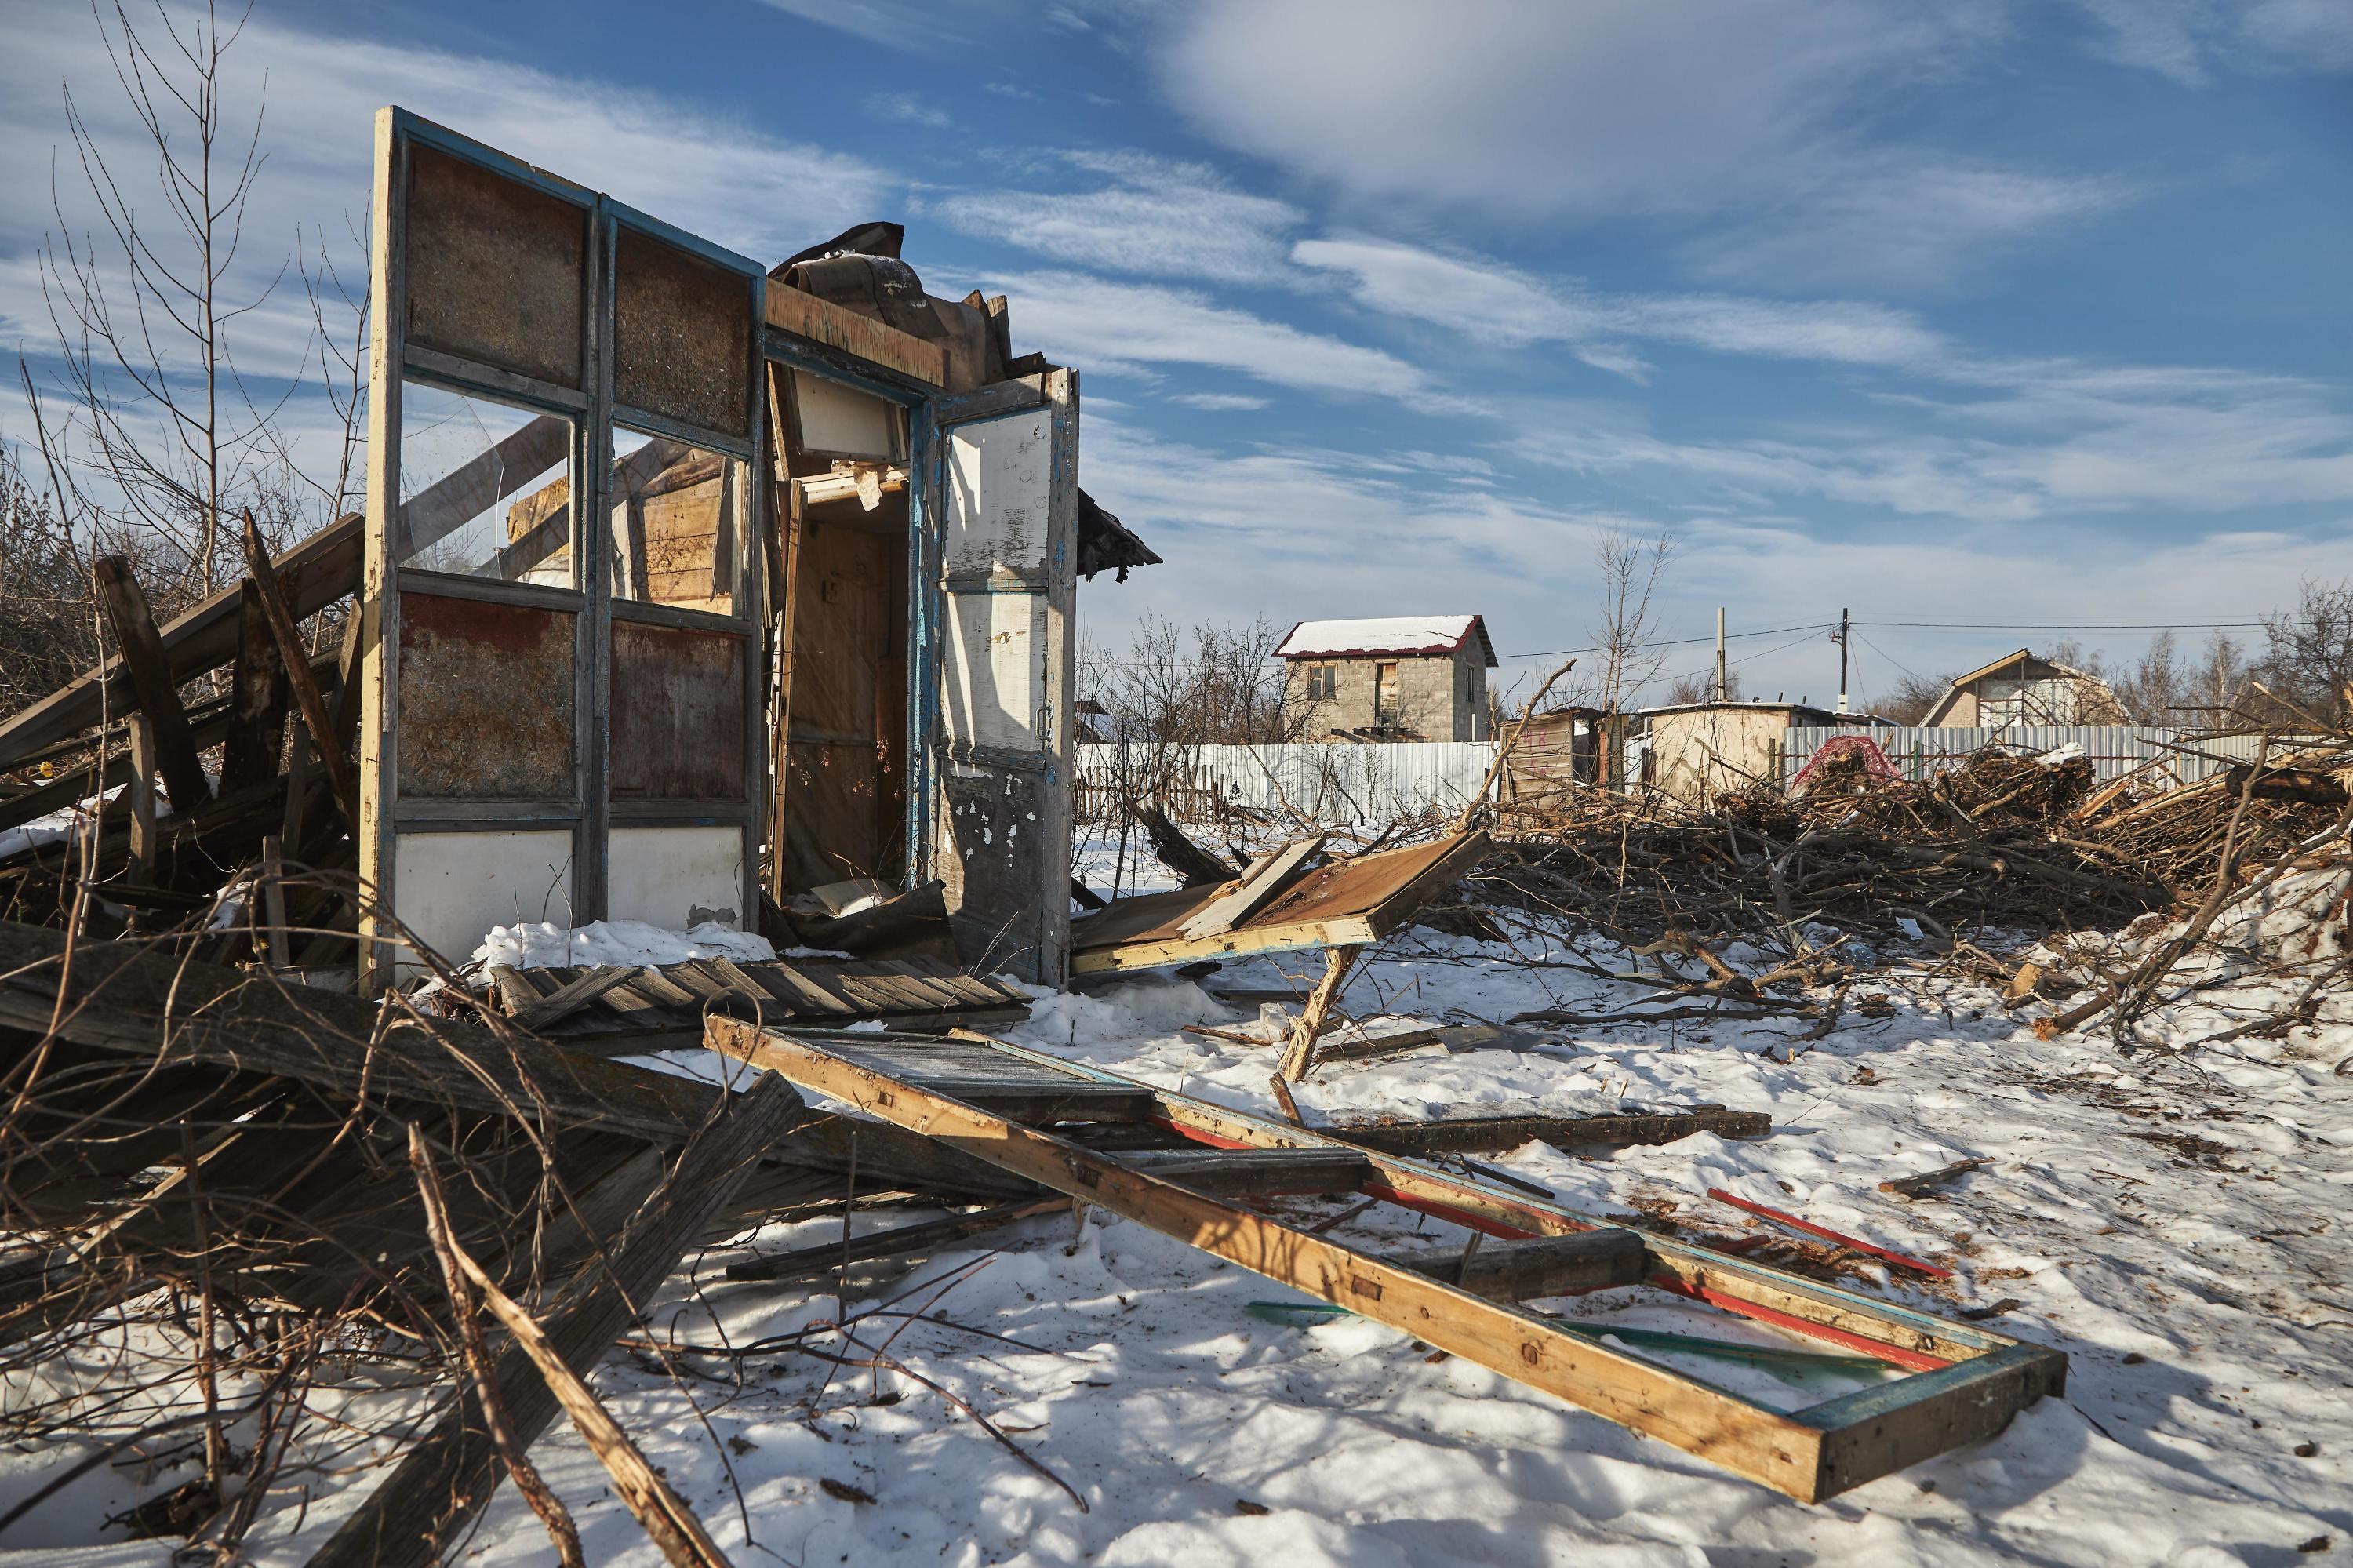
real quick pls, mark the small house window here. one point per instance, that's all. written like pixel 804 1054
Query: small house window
pixel 1323 682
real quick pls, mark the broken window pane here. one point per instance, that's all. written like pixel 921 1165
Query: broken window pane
pixel 485 489
pixel 674 508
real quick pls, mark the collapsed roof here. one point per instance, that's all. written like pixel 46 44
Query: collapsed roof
pixel 860 269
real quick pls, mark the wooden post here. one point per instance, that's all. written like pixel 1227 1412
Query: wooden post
pixel 297 660
pixel 273 902
pixel 256 733
pixel 142 797
pixel 1297 1060
pixel 151 683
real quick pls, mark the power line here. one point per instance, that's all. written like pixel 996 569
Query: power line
pixel 1674 642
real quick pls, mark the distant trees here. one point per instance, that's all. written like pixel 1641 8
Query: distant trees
pixel 1913 698
pixel 2307 668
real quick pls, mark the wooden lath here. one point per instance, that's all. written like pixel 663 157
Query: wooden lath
pixel 1968 1382
pixel 1349 903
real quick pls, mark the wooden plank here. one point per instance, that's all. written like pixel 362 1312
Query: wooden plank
pixel 1921 1184
pixel 142 797
pixel 893 1241
pixel 1489 1135
pixel 1744 1437
pixel 1258 1172
pixel 1897 1334
pixel 259 693
pixel 119 996
pixel 1853 1441
pixel 803 315
pixel 814 992
pixel 342 778
pixel 1525 1270
pixel 1453 1036
pixel 427 1503
pixel 1351 903
pixel 322 569
pixel 653 982
pixel 568 999
pixel 151 685
pixel 1269 878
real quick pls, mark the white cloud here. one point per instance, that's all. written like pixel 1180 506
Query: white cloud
pixel 753 191
pixel 1110 327
pixel 1490 302
pixel 1686 108
pixel 1219 402
pixel 1154 217
pixel 911 108
pixel 2188 39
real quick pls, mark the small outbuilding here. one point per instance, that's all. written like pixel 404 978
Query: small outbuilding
pixel 1402 677
pixel 1696 751
pixel 2022 688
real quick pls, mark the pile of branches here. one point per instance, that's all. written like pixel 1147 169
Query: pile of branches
pixel 2003 842
pixel 258 1241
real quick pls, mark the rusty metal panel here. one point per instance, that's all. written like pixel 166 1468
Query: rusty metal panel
pixel 677 730
pixel 495 269
pixel 486 700
pixel 682 335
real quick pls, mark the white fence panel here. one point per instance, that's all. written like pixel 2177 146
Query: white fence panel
pixel 1354 783
pixel 2115 749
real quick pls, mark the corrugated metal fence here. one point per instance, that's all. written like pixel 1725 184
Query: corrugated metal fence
pixel 2115 749
pixel 1334 783
pixel 1377 784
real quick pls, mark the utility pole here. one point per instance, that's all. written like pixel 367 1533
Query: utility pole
pixel 1720 682
pixel 1838 636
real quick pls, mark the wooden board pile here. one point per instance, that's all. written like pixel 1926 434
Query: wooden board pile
pixel 111 821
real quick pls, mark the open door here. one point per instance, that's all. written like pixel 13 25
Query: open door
pixel 1007 479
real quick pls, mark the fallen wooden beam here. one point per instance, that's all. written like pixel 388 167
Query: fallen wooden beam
pixel 151 683
pixel 120 997
pixel 428 1502
pixel 893 1241
pixel 1523 1270
pixel 1495 1134
pixel 1255 1172
pixel 1973 1380
pixel 1919 1185
pixel 1270 877
pixel 315 573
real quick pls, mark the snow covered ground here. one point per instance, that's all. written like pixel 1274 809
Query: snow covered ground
pixel 2176 1225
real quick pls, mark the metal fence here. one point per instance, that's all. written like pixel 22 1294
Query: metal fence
pixel 1373 784
pixel 2115 749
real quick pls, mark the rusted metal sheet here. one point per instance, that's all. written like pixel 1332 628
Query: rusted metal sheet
pixel 486 700
pixel 682 335
pixel 495 269
pixel 677 714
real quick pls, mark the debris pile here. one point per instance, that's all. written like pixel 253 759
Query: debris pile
pixel 2005 845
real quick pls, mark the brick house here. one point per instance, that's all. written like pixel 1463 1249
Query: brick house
pixel 1401 677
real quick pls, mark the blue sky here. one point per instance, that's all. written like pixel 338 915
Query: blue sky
pixel 2027 313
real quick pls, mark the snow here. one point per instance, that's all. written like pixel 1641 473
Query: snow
pixel 1380 634
pixel 2174 1222
pixel 539 945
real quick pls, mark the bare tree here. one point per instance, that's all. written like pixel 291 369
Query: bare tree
pixel 1632 567
pixel 1913 698
pixel 161 438
pixel 2308 665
